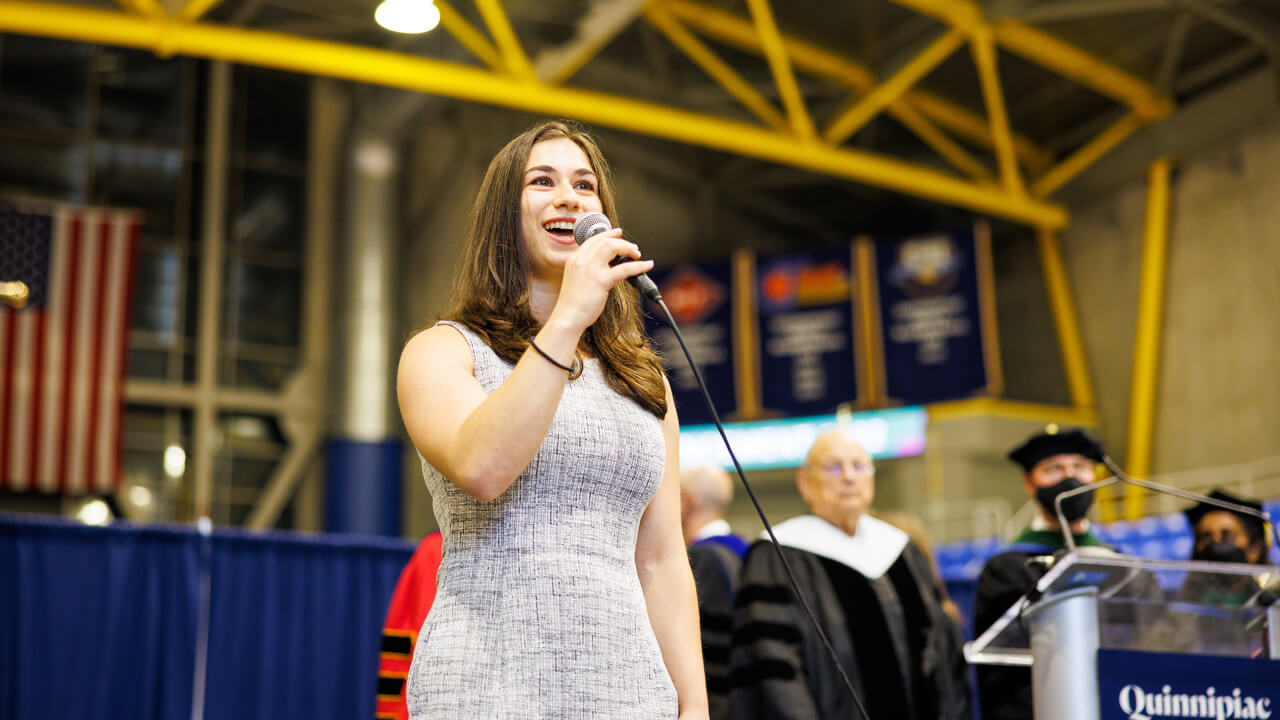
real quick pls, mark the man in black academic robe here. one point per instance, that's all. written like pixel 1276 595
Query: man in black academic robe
pixel 874 596
pixel 1052 463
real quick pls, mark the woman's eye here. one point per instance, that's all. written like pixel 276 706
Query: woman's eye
pixel 586 185
pixel 540 180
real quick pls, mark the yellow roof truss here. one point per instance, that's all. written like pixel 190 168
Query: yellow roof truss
pixel 1026 173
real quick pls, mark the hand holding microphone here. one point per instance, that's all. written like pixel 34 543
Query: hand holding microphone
pixel 594 223
pixel 590 273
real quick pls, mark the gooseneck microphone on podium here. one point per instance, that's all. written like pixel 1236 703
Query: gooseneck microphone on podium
pixel 594 223
pixel 1119 476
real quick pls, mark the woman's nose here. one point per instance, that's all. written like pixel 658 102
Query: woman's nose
pixel 567 197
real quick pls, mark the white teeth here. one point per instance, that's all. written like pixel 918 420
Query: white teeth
pixel 559 225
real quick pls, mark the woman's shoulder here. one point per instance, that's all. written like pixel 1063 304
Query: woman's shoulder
pixel 444 331
pixel 443 344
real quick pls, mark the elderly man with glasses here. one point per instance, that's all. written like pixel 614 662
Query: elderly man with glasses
pixel 871 590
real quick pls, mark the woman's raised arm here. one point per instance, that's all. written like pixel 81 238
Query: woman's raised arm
pixel 482 443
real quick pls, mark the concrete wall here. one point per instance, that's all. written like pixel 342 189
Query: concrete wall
pixel 1218 397
pixel 1219 391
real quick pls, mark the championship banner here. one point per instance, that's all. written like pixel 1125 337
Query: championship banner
pixel 936 314
pixel 1136 685
pixel 805 327
pixel 700 298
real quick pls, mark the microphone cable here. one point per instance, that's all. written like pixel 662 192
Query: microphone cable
pixel 791 577
pixel 594 223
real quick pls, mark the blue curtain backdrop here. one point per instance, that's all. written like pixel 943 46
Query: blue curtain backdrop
pixel 102 622
pixel 96 622
pixel 296 625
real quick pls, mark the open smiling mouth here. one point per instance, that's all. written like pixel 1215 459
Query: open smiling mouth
pixel 561 230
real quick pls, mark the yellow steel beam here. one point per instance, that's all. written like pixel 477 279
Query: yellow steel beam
pixel 776 53
pixel 1146 349
pixel 1087 155
pixel 572 65
pixel 746 360
pixel 740 33
pixel 381 67
pixel 963 14
pixel 1046 50
pixel 1065 59
pixel 594 33
pixel 850 121
pixel 976 129
pixel 1076 64
pixel 994 366
pixel 195 9
pixel 711 63
pixel 984 56
pixel 456 25
pixel 872 357
pixel 151 8
pixel 1074 361
pixel 513 56
pixel 950 150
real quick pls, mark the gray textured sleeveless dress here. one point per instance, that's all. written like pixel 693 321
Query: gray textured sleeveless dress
pixel 538 610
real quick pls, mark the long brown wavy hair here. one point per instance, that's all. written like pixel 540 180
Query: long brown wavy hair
pixel 491 285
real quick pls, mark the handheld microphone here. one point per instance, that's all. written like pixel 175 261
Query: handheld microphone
pixel 594 223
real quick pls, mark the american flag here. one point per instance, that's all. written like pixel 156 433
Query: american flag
pixel 62 356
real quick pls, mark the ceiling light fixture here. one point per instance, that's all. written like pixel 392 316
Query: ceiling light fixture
pixel 407 16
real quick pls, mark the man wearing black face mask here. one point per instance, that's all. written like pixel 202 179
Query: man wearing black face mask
pixel 1223 535
pixel 1052 463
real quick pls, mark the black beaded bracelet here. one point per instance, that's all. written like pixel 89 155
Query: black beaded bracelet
pixel 574 370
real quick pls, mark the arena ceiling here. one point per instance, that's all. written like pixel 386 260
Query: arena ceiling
pixel 987 106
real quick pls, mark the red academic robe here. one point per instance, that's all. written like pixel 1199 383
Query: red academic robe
pixel 410 603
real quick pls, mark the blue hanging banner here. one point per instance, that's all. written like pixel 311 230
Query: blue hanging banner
pixel 936 312
pixel 1136 685
pixel 700 297
pixel 805 323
